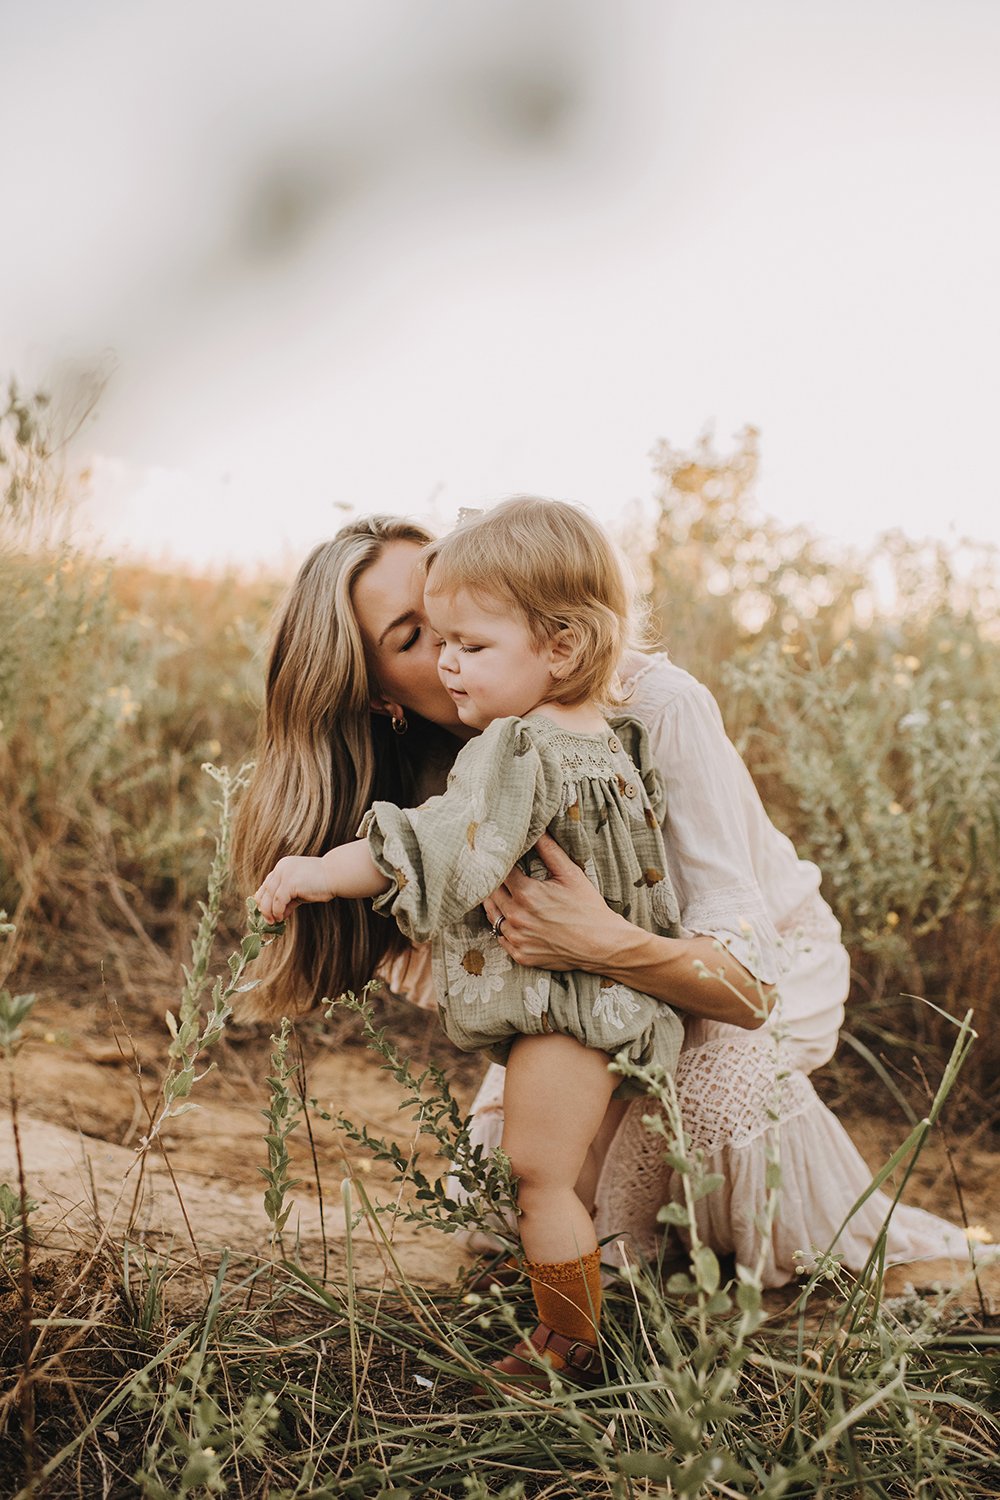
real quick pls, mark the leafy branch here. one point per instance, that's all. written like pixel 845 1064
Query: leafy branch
pixel 478 1191
pixel 193 1034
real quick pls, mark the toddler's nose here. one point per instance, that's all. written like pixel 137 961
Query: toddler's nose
pixel 447 659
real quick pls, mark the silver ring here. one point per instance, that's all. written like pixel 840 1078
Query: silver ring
pixel 496 926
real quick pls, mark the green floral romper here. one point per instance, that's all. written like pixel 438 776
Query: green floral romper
pixel 600 797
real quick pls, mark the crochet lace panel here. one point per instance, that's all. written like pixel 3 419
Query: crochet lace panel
pixel 584 753
pixel 732 1091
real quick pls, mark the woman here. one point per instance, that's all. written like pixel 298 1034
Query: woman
pixel 355 711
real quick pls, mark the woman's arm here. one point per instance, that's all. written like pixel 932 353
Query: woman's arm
pixel 564 923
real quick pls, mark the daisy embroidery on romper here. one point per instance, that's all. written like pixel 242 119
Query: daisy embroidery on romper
pixel 476 969
pixel 484 856
pixel 614 1005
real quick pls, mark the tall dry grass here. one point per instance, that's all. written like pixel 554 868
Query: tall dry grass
pixel 863 691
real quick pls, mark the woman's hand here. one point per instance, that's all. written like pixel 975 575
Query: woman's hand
pixel 564 923
pixel 558 923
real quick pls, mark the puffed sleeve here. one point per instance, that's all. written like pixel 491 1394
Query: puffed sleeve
pixel 711 830
pixel 446 856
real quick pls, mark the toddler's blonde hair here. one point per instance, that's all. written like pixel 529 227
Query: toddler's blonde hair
pixel 559 570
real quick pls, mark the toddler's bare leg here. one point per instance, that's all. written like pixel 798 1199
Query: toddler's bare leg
pixel 586 1183
pixel 555 1099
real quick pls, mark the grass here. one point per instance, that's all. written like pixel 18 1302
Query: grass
pixel 281 1381
pixel 873 731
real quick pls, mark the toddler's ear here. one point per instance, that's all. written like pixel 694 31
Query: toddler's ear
pixel 564 650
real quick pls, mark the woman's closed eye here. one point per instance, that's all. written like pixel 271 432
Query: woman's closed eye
pixel 411 640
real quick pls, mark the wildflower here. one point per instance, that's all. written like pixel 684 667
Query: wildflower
pixel 911 663
pixel 979 1234
pixel 213 747
pixel 892 919
pixel 918 719
pixel 901 679
pixel 125 706
pixel 895 808
pixel 363 1165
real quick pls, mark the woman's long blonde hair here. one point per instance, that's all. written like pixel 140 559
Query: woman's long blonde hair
pixel 322 758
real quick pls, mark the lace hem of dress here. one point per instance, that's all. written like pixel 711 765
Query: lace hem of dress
pixel 742 1112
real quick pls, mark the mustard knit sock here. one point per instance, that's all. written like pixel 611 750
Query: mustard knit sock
pixel 568 1297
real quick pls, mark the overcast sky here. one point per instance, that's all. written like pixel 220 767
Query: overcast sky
pixel 373 254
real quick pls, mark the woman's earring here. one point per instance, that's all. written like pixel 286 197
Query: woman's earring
pixel 399 725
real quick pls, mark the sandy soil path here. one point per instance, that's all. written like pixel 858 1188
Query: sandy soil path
pixel 82 1114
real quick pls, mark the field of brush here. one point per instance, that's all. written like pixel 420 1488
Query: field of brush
pixel 258 1296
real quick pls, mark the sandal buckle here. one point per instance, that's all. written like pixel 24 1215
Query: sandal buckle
pixel 574 1352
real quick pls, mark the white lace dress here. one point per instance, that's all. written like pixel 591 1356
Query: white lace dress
pixel 744 1095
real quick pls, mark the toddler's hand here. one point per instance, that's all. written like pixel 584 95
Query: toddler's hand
pixel 294 879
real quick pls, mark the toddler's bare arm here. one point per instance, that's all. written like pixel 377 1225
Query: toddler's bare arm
pixel 347 871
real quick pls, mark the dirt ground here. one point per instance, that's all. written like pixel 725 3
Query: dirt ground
pixel 86 1081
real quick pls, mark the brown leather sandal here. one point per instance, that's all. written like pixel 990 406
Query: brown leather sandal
pixel 522 1366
